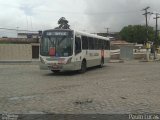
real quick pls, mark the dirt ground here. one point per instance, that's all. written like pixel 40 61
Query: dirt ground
pixel 129 87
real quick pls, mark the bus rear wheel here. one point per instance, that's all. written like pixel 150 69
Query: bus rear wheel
pixel 55 71
pixel 83 67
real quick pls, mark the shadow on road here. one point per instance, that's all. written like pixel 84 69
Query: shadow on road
pixel 72 73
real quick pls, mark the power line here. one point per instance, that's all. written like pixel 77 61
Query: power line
pixel 15 29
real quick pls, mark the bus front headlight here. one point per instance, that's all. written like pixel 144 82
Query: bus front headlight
pixel 69 60
pixel 42 61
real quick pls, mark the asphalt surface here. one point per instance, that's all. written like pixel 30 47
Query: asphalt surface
pixel 129 87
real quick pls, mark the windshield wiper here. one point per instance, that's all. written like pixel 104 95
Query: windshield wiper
pixel 52 42
pixel 62 39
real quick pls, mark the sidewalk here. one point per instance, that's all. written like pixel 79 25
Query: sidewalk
pixel 33 61
pixel 152 59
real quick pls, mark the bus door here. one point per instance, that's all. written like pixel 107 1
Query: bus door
pixel 78 50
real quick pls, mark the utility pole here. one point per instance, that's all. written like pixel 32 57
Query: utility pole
pixel 107 31
pixel 146 16
pixel 146 42
pixel 156 33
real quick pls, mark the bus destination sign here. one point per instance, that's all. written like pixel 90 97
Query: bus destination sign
pixel 57 33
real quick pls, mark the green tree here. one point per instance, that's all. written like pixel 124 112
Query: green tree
pixel 136 33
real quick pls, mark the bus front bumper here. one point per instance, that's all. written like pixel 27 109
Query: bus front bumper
pixel 61 67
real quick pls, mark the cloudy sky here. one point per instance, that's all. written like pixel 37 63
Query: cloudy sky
pixel 85 15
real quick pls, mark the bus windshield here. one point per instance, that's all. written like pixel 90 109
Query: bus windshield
pixel 62 42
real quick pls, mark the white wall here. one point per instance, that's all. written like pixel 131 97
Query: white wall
pixel 15 52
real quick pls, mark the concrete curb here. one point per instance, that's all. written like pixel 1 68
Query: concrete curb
pixel 15 61
pixel 116 61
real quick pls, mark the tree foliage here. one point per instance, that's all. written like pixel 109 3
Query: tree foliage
pixel 136 33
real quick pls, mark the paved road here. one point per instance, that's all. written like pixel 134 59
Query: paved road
pixel 130 87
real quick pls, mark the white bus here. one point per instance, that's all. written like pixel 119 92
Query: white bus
pixel 65 49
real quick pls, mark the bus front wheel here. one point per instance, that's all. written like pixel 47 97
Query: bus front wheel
pixel 83 67
pixel 55 71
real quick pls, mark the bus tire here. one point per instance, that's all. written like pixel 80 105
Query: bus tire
pixel 102 63
pixel 55 71
pixel 83 66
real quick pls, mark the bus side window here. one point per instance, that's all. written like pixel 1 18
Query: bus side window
pixel 108 45
pixel 99 44
pixel 105 45
pixel 91 43
pixel 96 44
pixel 77 45
pixel 84 43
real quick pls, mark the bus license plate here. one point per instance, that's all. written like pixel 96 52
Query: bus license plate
pixel 54 67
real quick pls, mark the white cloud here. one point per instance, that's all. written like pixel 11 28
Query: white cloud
pixel 89 15
pixel 116 14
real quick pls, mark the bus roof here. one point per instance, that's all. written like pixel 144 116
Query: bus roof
pixel 82 33
pixel 91 35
